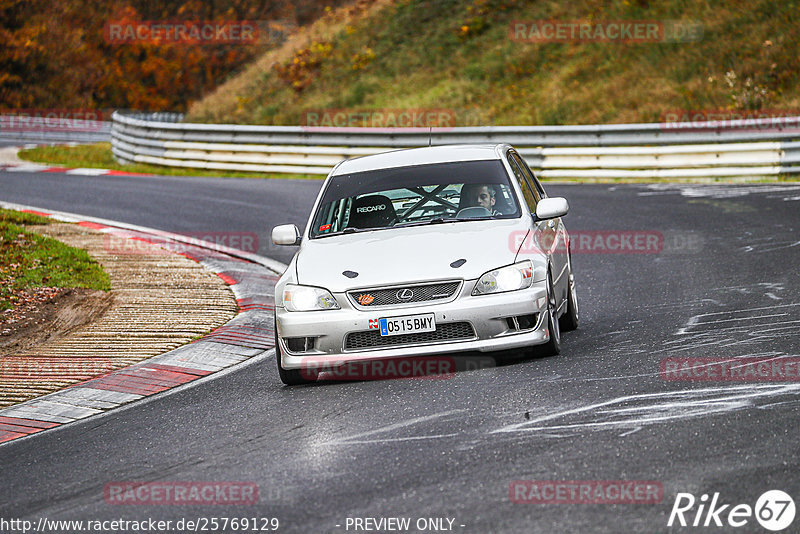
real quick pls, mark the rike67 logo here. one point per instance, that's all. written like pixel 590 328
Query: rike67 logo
pixel 774 510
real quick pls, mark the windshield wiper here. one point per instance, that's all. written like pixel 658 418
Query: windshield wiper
pixel 435 220
pixel 348 230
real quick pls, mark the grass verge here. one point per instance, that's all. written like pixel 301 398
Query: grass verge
pixel 98 156
pixel 29 261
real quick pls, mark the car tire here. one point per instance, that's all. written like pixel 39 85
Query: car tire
pixel 290 377
pixel 553 345
pixel 569 321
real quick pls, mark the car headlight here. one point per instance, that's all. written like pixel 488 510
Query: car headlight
pixel 308 298
pixel 509 278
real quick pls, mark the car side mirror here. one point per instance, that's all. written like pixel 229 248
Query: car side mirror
pixel 286 234
pixel 550 208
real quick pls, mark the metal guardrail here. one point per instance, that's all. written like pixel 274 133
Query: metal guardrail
pixel 757 148
pixel 35 129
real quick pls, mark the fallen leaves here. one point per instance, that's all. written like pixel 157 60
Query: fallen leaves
pixel 25 305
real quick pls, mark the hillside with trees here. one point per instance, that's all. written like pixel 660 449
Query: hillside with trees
pixel 460 57
pixel 57 54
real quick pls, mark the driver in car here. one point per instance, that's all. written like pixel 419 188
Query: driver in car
pixel 485 197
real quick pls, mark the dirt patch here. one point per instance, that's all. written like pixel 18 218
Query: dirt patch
pixel 48 315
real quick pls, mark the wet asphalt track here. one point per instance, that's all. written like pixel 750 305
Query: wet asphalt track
pixel 726 285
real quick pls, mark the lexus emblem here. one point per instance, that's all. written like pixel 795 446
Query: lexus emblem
pixel 405 294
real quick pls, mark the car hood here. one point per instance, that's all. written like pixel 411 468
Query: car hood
pixel 401 255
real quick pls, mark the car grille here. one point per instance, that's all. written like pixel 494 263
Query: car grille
pixel 371 339
pixel 420 293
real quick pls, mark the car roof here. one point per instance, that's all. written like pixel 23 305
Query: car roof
pixel 419 156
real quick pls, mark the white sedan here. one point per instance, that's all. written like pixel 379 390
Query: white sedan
pixel 423 252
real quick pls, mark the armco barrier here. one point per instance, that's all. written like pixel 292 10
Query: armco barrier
pixel 38 130
pixel 759 148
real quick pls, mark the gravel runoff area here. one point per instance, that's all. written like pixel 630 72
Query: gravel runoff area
pixel 159 300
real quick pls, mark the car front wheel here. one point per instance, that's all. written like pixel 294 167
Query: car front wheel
pixel 553 345
pixel 569 321
pixel 290 377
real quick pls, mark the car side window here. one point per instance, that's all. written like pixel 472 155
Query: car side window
pixel 532 181
pixel 538 185
pixel 530 198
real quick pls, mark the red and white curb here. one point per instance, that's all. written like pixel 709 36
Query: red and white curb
pixel 252 279
pixel 9 162
pixel 34 167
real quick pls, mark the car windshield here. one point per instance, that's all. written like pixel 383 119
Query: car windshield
pixel 422 194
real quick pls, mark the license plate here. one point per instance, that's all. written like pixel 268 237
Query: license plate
pixel 409 324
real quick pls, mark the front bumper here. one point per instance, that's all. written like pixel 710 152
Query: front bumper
pixel 492 318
